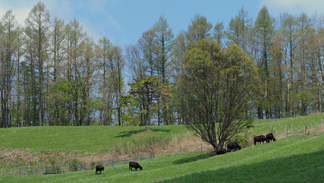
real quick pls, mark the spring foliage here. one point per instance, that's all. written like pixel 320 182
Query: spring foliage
pixel 217 85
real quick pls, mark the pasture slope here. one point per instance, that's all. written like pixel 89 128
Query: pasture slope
pixel 105 139
pixel 297 158
pixel 89 139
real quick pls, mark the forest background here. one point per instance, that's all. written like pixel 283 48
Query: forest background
pixel 54 74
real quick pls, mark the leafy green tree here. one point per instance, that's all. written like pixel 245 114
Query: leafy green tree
pixel 18 82
pixel 289 29
pixel 218 32
pixel 148 90
pixel 216 86
pixel 103 51
pixel 238 29
pixel 75 40
pixel 164 47
pixel 37 29
pixel 8 48
pixel 198 29
pixel 276 81
pixel 57 55
pixel 148 47
pixel 304 93
pixel 264 26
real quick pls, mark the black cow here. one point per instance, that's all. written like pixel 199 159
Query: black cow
pixel 99 168
pixel 260 139
pixel 233 146
pixel 270 137
pixel 220 151
pixel 135 165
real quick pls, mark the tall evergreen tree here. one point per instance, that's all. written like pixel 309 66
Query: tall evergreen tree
pixel 37 29
pixel 198 29
pixel 264 26
pixel 164 46
pixel 9 37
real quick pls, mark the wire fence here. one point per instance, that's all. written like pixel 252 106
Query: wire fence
pixel 77 164
pixel 74 165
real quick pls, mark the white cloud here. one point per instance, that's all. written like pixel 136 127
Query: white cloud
pixel 86 12
pixel 296 7
pixel 20 9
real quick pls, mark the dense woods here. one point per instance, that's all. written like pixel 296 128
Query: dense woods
pixel 54 74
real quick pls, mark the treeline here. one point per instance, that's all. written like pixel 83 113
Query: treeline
pixel 53 73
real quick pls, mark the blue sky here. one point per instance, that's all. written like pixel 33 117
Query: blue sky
pixel 123 21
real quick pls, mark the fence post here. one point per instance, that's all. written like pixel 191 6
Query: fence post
pixel 201 147
pixel 70 165
pixel 19 171
pixel 125 161
pixel 305 129
pixel 289 126
pixel 180 149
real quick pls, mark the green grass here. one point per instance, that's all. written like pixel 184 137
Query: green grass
pixel 292 159
pixel 103 139
pixel 90 139
pixel 293 124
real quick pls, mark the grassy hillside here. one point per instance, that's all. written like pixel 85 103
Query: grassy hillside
pixel 90 139
pixel 290 125
pixel 292 159
pixel 102 139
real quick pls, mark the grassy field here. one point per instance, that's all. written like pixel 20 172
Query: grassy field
pixel 293 159
pixel 103 139
pixel 90 139
pixel 288 125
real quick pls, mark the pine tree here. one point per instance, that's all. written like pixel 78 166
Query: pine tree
pixel 264 26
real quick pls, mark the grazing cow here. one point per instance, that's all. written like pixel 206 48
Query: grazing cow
pixel 233 146
pixel 135 165
pixel 220 151
pixel 260 139
pixel 270 137
pixel 99 168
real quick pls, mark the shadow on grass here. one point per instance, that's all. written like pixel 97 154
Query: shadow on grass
pixel 133 132
pixel 128 133
pixel 191 159
pixel 295 168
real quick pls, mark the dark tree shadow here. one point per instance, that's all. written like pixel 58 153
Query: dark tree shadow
pixel 128 133
pixel 191 159
pixel 160 130
pixel 133 132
